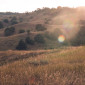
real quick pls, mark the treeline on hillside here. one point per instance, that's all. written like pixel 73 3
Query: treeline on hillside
pixel 8 13
pixel 7 22
pixel 79 39
pixel 22 44
pixel 11 30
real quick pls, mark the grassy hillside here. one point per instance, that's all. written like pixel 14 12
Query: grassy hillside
pixel 64 66
pixel 51 44
pixel 53 19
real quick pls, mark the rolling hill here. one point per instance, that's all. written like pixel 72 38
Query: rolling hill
pixel 53 19
pixel 51 47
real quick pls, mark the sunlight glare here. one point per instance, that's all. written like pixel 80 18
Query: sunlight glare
pixel 61 38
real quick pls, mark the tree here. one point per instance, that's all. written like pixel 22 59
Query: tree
pixel 21 31
pixel 1 25
pixel 14 21
pixel 9 31
pixel 39 38
pixel 21 45
pixel 29 41
pixel 40 27
pixel 28 31
pixel 6 20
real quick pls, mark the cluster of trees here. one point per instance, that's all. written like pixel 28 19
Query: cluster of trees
pixel 79 39
pixel 6 20
pixel 40 27
pixel 22 45
pixel 9 31
pixel 12 22
pixel 21 31
pixel 1 25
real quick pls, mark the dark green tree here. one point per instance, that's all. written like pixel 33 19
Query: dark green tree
pixel 9 31
pixel 21 31
pixel 6 20
pixel 40 27
pixel 14 21
pixel 28 31
pixel 21 45
pixel 29 41
pixel 1 25
pixel 39 38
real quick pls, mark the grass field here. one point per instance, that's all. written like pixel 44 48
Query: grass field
pixel 64 66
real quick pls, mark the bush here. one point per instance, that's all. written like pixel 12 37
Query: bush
pixel 34 63
pixel 9 31
pixel 21 31
pixel 21 45
pixel 43 62
pixel 6 20
pixel 37 63
pixel 14 21
pixel 21 19
pixel 39 38
pixel 40 27
pixel 1 25
pixel 28 31
pixel 29 41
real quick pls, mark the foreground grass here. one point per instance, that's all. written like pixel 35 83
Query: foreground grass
pixel 63 67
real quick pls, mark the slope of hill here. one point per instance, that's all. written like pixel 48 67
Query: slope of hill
pixel 52 19
pixel 64 66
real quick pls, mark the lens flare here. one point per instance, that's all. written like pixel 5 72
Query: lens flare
pixel 61 38
pixel 68 25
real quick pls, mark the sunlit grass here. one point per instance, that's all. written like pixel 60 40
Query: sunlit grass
pixel 63 67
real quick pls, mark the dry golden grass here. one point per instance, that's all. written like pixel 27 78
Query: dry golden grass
pixel 55 67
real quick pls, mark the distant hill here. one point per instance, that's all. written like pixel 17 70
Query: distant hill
pixel 57 21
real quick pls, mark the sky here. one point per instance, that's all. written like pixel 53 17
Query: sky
pixel 31 5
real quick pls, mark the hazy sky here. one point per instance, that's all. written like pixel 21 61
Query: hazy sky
pixel 31 5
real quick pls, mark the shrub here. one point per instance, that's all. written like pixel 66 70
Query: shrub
pixel 43 62
pixel 21 31
pixel 9 31
pixel 6 20
pixel 14 21
pixel 29 41
pixel 37 63
pixel 39 38
pixel 14 18
pixel 21 45
pixel 40 27
pixel 1 25
pixel 21 19
pixel 34 63
pixel 28 31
